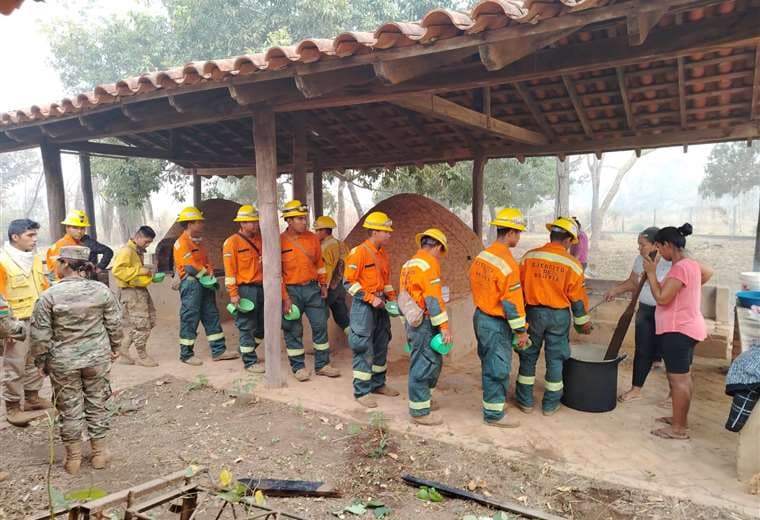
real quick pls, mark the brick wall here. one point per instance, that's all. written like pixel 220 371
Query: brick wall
pixel 412 214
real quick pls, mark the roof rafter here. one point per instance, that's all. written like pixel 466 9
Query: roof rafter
pixel 572 91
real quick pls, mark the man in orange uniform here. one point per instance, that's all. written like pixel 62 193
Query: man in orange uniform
pixel 421 280
pixel 499 314
pixel 367 279
pixel 552 281
pixel 76 224
pixel 243 278
pixel 305 286
pixel 191 264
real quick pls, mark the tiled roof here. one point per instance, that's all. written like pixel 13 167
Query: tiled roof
pixel 438 24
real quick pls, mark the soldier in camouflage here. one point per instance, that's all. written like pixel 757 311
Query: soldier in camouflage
pixel 75 334
pixel 9 328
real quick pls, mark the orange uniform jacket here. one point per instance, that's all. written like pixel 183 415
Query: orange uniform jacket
pixel 55 250
pixel 421 278
pixel 301 259
pixel 368 273
pixel 551 277
pixel 192 255
pixel 495 285
pixel 242 262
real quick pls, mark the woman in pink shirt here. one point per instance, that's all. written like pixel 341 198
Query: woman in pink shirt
pixel 679 323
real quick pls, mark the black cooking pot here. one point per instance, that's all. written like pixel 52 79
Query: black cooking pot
pixel 591 386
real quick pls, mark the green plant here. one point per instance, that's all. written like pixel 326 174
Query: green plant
pixel 199 384
pixel 242 386
pixel 379 442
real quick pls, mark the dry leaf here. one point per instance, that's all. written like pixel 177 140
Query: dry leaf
pixel 472 486
pixel 564 489
pixel 228 403
pixel 523 499
pixel 339 426
pixel 393 456
pixel 179 406
pixel 238 460
pixel 324 420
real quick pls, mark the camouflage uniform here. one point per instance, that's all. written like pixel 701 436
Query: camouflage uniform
pixel 139 317
pixel 75 326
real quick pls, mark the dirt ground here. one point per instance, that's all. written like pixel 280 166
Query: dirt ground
pixel 728 256
pixel 177 424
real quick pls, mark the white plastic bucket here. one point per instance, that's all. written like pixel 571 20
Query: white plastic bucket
pixel 750 281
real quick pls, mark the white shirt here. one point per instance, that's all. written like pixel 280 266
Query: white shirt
pixel 663 266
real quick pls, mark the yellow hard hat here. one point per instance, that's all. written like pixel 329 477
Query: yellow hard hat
pixel 247 213
pixel 295 208
pixel 324 222
pixel 378 221
pixel 565 224
pixel 190 214
pixel 510 218
pixel 76 218
pixel 437 234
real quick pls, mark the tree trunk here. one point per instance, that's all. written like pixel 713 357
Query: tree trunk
pixel 756 263
pixel 33 202
pixel 595 168
pixel 341 208
pixel 354 197
pixel 562 193
pixel 491 235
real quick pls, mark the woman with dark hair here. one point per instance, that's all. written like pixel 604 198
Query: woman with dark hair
pixel 75 334
pixel 679 321
pixel 648 352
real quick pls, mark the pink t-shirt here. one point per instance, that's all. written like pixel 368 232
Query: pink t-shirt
pixel 683 313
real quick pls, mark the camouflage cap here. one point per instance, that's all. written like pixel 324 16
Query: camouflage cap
pixel 74 253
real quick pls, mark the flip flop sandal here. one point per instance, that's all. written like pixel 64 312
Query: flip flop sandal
pixel 623 399
pixel 667 433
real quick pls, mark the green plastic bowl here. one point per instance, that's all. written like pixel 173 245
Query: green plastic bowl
pixel 232 309
pixel 294 313
pixel 439 346
pixel 245 305
pixel 392 308
pixel 209 282
pixel 407 348
pixel 159 277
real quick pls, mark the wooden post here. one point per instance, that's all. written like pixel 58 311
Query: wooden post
pixel 756 263
pixel 56 194
pixel 316 185
pixel 299 157
pixel 478 168
pixel 85 178
pixel 562 196
pixel 265 144
pixel 197 188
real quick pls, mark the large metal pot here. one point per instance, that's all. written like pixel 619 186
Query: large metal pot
pixel 590 381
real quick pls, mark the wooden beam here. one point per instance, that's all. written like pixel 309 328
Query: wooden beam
pixel 56 193
pixel 755 84
pixel 535 111
pixel 386 130
pixel 641 23
pixel 626 99
pixel 300 149
pixel 496 56
pixel 315 85
pixel 317 186
pixel 197 188
pixel 441 108
pixel 151 153
pixel 478 194
pixel 393 72
pixel 682 92
pixel 85 179
pixel 264 140
pixel 578 105
pixel 265 92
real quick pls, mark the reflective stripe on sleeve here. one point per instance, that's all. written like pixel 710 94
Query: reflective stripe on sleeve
pixel 552 386
pixel 388 289
pixel 581 320
pixel 558 259
pixel 187 255
pixel 417 262
pixel 228 255
pixel 439 318
pixel 321 270
pixel 495 261
pixel 352 266
pixel 355 288
pixel 517 323
pixel 435 281
pixel 230 280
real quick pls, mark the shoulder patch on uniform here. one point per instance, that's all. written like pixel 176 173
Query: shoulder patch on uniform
pixel 176 244
pixel 354 249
